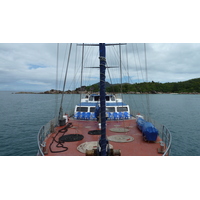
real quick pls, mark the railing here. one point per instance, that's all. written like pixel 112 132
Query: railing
pixel 167 138
pixel 43 133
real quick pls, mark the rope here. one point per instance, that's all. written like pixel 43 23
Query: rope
pixel 65 53
pixel 145 58
pixel 59 143
pixel 82 69
pixel 139 62
pixel 56 96
pixel 60 112
pixel 147 96
pixel 120 66
pixel 127 62
pixel 66 72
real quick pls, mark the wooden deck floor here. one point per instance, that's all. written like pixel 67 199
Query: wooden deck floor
pixel 137 147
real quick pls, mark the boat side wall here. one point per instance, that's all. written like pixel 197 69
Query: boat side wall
pixel 43 133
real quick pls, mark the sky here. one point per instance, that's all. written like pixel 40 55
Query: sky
pixel 32 66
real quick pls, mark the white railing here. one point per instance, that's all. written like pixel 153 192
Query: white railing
pixel 164 134
pixel 167 138
pixel 43 133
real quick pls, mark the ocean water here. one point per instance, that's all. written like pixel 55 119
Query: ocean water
pixel 22 115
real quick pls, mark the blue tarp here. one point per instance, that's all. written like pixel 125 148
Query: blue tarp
pixel 97 110
pixel 149 132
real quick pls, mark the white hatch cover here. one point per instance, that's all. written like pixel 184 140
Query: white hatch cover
pixel 119 130
pixel 120 138
pixel 89 146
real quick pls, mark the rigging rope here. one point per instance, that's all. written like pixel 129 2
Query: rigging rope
pixel 145 57
pixel 120 66
pixel 66 72
pixel 65 53
pixel 82 70
pixel 60 112
pixel 56 96
pixel 127 62
pixel 147 95
pixel 139 62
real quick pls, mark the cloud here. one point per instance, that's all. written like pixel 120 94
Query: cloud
pixel 25 66
pixel 34 82
pixel 32 66
pixel 173 61
pixel 15 65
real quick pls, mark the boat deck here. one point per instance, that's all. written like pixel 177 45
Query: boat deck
pixel 127 137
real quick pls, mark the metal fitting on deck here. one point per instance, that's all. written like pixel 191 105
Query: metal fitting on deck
pixel 115 152
pixel 44 149
pixel 92 152
pixel 112 152
pixel 162 147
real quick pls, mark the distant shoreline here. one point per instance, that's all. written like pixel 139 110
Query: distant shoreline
pixel 86 92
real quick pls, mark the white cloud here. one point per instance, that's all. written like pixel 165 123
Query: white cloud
pixel 26 65
pixel 35 83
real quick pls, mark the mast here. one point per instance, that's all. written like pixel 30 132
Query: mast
pixel 103 141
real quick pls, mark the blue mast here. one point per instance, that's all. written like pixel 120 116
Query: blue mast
pixel 103 141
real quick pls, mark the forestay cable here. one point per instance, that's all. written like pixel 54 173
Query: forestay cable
pixel 61 111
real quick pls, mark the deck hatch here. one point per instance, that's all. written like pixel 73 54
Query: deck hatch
pixel 95 132
pixel 71 138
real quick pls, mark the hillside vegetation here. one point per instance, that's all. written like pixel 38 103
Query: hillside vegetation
pixel 190 86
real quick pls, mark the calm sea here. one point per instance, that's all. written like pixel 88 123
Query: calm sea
pixel 22 115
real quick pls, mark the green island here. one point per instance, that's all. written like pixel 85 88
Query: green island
pixel 185 87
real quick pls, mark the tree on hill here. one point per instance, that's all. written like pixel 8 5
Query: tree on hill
pixel 190 86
